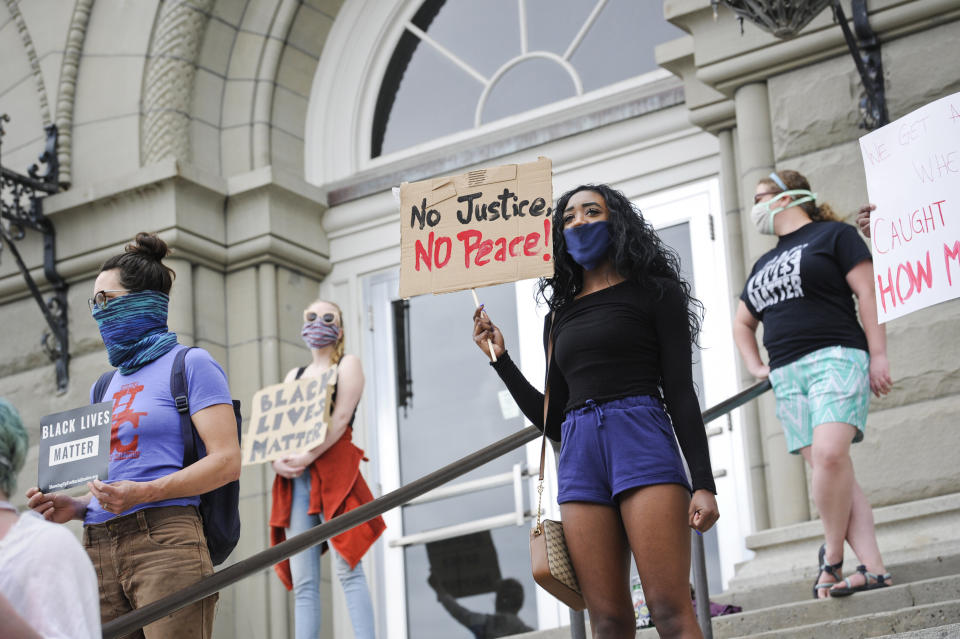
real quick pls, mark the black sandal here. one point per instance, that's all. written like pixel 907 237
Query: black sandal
pixel 879 581
pixel 850 588
pixel 830 569
pixel 882 581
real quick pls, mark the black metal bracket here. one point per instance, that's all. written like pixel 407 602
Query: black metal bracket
pixel 404 365
pixel 865 49
pixel 21 207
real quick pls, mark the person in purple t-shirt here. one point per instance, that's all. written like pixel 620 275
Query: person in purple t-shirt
pixel 142 529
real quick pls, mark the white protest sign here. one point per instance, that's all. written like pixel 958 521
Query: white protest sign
pixel 488 226
pixel 913 177
pixel 289 418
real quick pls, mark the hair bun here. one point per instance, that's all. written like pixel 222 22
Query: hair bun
pixel 149 246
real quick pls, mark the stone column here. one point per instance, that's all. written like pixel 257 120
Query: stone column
pixel 749 416
pixel 180 319
pixel 786 485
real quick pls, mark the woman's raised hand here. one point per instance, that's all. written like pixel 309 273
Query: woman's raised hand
pixel 863 218
pixel 484 330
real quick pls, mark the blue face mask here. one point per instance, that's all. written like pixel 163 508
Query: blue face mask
pixel 588 244
pixel 134 329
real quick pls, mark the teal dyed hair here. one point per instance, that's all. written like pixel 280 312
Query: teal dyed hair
pixel 13 446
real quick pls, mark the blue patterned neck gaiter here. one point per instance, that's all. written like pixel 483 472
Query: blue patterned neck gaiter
pixel 134 329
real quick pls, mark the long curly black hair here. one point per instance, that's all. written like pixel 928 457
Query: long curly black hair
pixel 636 251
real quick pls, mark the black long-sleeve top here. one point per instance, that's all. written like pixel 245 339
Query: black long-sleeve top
pixel 624 340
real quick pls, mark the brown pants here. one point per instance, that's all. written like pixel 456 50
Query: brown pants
pixel 146 555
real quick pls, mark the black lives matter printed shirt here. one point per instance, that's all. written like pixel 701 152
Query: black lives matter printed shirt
pixel 799 291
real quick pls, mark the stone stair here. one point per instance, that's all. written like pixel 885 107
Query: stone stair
pixel 921 547
pixel 899 608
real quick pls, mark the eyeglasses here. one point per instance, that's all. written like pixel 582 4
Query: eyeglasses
pixel 756 198
pixel 100 299
pixel 326 318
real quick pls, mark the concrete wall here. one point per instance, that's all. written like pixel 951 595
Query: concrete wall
pixel 187 119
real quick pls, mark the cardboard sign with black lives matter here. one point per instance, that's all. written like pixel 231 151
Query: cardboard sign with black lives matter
pixel 484 227
pixel 289 418
pixel 74 447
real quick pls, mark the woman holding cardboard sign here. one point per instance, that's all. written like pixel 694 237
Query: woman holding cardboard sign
pixel 620 329
pixel 324 482
pixel 823 364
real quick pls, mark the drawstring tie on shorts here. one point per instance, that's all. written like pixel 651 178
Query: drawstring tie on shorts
pixel 596 411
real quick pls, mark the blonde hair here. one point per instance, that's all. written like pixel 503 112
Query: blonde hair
pixel 339 347
pixel 818 212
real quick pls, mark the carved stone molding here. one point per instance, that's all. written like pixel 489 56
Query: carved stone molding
pixel 66 92
pixel 267 77
pixel 168 84
pixel 14 8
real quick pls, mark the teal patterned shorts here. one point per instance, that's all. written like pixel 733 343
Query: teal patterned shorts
pixel 828 385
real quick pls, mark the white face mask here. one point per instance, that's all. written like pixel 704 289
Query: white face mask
pixel 762 213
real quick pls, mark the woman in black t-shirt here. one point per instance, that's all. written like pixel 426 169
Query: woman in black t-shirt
pixel 823 365
pixel 622 330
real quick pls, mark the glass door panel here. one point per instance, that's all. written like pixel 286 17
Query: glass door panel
pixel 456 407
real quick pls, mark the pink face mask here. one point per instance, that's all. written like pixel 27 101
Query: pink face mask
pixel 317 334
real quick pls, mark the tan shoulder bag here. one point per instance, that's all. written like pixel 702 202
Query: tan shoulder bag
pixel 549 558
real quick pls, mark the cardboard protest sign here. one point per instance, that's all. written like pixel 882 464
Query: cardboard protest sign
pixel 74 447
pixel 913 177
pixel 465 565
pixel 484 227
pixel 289 418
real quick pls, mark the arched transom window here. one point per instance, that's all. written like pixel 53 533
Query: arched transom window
pixel 460 64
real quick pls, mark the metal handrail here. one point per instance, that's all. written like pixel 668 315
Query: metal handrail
pixel 701 590
pixel 149 613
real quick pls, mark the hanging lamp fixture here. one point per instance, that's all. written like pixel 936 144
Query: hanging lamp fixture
pixel 786 18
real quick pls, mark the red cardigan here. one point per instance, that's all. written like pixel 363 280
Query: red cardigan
pixel 336 487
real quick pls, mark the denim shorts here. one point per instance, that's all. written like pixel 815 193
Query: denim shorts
pixel 610 447
pixel 828 385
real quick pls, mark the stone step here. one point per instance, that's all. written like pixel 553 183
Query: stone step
pixel 919 540
pixel 917 605
pixel 951 631
pixel 933 616
pixel 875 602
pixel 930 562
pixel 872 625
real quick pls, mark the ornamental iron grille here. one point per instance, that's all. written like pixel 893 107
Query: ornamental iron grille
pixel 786 18
pixel 21 207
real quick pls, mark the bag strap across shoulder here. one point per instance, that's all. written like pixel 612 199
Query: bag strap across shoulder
pixel 546 400
pixel 178 389
pixel 100 388
pixel 543 439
